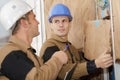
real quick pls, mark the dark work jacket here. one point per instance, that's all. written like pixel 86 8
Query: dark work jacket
pixel 19 62
pixel 57 43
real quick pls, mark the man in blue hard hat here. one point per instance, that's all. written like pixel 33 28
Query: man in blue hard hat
pixel 60 19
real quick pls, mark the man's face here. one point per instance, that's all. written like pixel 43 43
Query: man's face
pixel 33 25
pixel 60 25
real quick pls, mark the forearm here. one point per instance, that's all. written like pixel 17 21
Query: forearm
pixel 47 71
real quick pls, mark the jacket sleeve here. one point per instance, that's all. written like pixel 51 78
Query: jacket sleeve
pixel 47 71
pixel 17 66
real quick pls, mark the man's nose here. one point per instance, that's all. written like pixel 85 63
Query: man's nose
pixel 38 22
pixel 61 24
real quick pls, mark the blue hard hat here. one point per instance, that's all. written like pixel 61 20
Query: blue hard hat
pixel 59 10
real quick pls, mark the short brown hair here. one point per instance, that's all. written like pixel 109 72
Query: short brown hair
pixel 17 24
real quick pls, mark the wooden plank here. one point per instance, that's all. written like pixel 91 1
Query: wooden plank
pixel 116 22
pixel 97 38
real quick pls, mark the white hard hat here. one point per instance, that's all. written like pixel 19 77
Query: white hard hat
pixel 12 11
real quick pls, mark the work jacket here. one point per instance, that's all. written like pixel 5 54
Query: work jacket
pixel 19 62
pixel 56 43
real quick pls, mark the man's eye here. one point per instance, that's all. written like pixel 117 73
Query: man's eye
pixel 56 21
pixel 64 21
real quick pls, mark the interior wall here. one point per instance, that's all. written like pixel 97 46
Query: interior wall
pixel 81 10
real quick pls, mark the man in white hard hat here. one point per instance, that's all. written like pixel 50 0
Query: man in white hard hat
pixel 60 19
pixel 17 58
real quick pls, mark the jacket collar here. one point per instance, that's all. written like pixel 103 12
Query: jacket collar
pixel 58 38
pixel 20 43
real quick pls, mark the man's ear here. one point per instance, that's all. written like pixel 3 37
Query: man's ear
pixel 51 26
pixel 23 22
